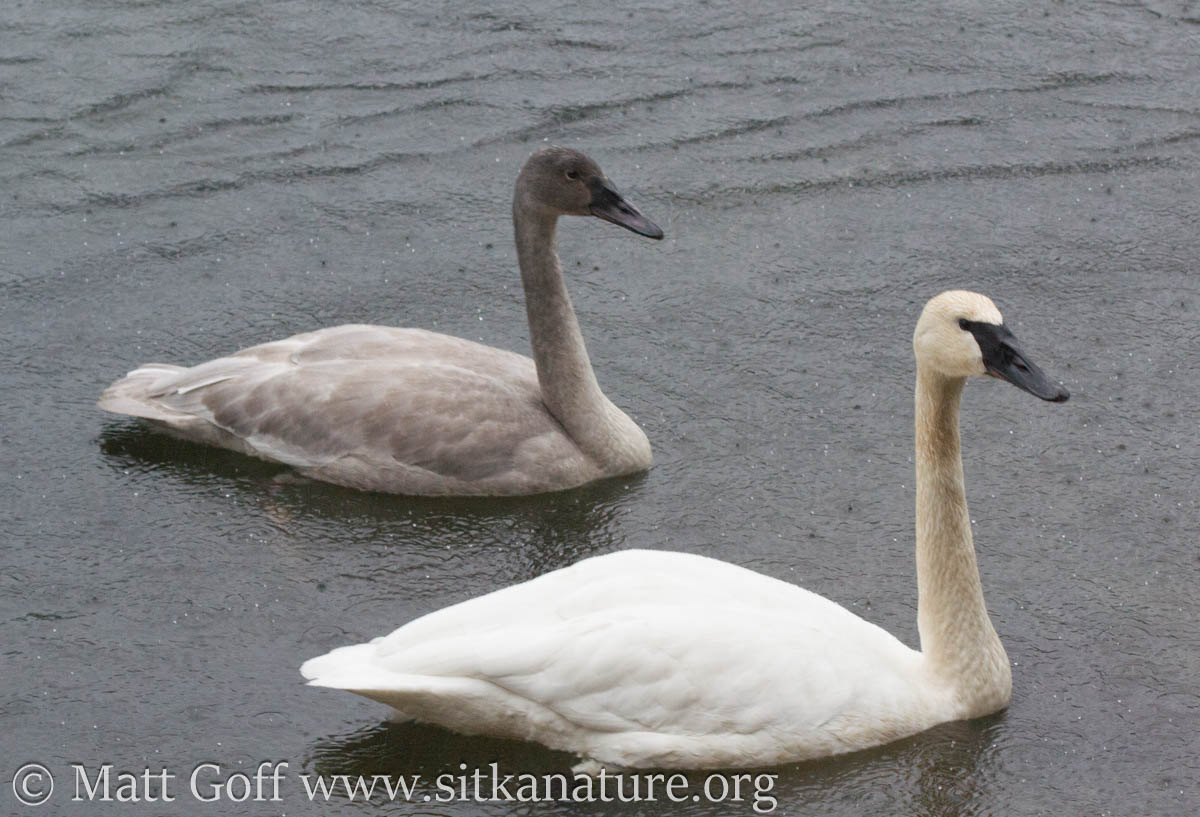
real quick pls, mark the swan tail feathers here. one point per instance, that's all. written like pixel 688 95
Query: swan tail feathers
pixel 349 668
pixel 463 704
pixel 355 669
pixel 135 394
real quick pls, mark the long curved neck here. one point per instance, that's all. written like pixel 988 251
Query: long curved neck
pixel 957 636
pixel 569 387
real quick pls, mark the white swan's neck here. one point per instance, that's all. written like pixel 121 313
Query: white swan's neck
pixel 957 637
pixel 569 387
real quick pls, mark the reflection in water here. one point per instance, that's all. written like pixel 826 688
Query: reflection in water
pixel 543 532
pixel 133 446
pixel 408 748
pixel 945 767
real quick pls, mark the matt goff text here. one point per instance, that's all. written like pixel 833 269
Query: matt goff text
pixel 209 783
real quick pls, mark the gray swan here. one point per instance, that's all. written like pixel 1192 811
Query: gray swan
pixel 654 659
pixel 415 412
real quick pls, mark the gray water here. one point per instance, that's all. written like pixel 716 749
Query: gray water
pixel 182 179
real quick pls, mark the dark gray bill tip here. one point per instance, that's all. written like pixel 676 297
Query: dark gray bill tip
pixel 1061 397
pixel 1003 359
pixel 610 205
pixel 1027 377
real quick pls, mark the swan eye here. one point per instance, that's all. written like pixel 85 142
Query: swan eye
pixel 963 324
pixel 573 175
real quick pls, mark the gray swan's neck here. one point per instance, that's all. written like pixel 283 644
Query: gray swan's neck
pixel 957 637
pixel 569 387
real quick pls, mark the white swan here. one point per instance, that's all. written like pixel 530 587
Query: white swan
pixel 415 412
pixel 656 659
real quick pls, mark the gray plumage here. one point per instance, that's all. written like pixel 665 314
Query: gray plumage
pixel 416 412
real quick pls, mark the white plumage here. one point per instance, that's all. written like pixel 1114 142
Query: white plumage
pixel 658 659
pixel 641 658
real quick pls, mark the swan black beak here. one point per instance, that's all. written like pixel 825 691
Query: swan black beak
pixel 610 205
pixel 1003 359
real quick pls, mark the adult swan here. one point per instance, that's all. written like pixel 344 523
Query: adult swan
pixel 668 660
pixel 415 412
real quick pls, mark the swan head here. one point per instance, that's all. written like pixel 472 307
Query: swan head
pixel 562 181
pixel 961 334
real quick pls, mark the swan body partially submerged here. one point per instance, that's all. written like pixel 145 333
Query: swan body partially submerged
pixel 658 659
pixel 417 412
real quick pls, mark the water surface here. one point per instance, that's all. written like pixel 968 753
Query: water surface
pixel 183 179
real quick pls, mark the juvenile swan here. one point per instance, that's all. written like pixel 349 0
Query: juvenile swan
pixel 415 412
pixel 656 659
